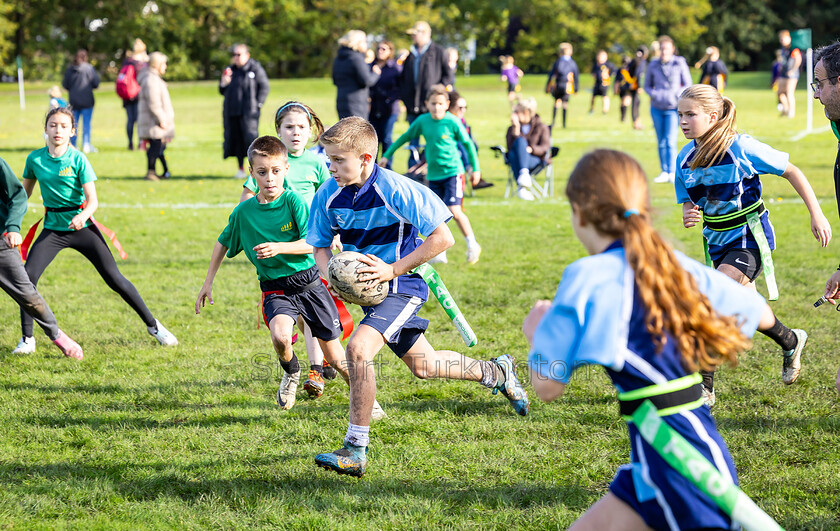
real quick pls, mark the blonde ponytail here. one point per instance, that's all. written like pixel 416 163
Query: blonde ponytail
pixel 712 146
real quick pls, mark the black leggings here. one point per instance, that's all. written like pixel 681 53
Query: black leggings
pixel 154 152
pixel 91 244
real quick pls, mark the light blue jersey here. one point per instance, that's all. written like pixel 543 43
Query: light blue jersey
pixel 598 318
pixel 384 217
pixel 729 185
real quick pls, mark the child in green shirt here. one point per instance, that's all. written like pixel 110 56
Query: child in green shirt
pixel 442 132
pixel 271 229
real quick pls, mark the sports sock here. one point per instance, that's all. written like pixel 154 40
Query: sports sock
pixel 708 379
pixel 782 335
pixel 491 374
pixel 292 366
pixel 357 435
pixel 623 112
pixel 564 118
pixel 317 368
pixel 553 116
pixel 471 242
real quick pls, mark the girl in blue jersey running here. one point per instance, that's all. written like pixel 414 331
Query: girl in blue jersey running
pixel 652 317
pixel 717 182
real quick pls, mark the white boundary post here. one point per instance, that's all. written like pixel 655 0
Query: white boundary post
pixel 20 84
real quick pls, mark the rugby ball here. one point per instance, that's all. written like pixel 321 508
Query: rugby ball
pixel 344 280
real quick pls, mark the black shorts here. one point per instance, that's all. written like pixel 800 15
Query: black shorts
pixel 512 87
pixel 560 93
pixel 600 90
pixel 747 261
pixel 302 295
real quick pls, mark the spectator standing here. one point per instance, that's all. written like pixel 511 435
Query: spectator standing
pixel 826 87
pixel 137 59
pixel 244 85
pixel 789 74
pixel 712 70
pixel 352 76
pixel 425 65
pixel 156 118
pixel 80 79
pixel 665 80
pixel 385 94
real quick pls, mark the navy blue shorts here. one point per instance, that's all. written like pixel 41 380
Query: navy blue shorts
pixel 450 189
pixel 396 319
pixel 658 493
pixel 303 294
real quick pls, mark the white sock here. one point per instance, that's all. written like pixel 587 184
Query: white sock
pixel 471 240
pixel 357 435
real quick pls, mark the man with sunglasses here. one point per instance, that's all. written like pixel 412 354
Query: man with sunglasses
pixel 244 85
pixel 826 87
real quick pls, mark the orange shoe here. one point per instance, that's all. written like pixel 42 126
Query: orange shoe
pixel 314 385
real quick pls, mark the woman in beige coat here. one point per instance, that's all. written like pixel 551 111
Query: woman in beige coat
pixel 156 119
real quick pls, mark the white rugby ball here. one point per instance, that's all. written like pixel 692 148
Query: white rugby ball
pixel 344 280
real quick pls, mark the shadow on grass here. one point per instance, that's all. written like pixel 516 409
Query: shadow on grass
pixel 323 490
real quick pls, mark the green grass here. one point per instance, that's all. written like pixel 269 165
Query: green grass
pixel 137 436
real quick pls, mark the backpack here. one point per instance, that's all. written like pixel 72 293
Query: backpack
pixel 127 86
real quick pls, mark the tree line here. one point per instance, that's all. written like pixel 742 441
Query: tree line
pixel 297 38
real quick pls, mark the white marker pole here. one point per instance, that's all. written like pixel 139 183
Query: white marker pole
pixel 20 84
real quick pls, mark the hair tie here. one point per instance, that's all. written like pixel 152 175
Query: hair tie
pixel 629 212
pixel 293 104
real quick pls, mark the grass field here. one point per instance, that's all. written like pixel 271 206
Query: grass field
pixel 136 436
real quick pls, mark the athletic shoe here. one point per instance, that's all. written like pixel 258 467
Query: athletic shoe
pixel 314 385
pixel 68 347
pixel 166 175
pixel 164 336
pixel 349 459
pixel 288 388
pixel 525 194
pixel 329 371
pixel 473 253
pixel 791 363
pixel 87 148
pixel 26 346
pixel 709 396
pixel 512 389
pixel 240 175
pixel 524 180
pixel 439 259
pixel 482 184
pixel 377 413
pixel 664 177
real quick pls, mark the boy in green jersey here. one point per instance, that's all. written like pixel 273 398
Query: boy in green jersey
pixel 271 229
pixel 443 131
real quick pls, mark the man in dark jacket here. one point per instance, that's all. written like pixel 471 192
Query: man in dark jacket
pixel 80 79
pixel 427 64
pixel 244 85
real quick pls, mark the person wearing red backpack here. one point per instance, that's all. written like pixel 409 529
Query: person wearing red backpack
pixel 128 85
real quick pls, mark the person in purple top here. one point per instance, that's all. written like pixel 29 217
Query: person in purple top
pixel 666 78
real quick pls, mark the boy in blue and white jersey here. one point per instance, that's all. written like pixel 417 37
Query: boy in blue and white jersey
pixel 382 214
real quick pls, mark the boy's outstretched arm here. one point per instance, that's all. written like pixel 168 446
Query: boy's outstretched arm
pixel 206 291
pixel 819 224
pixel 438 241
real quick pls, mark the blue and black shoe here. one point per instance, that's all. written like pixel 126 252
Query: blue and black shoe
pixel 350 460
pixel 511 388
